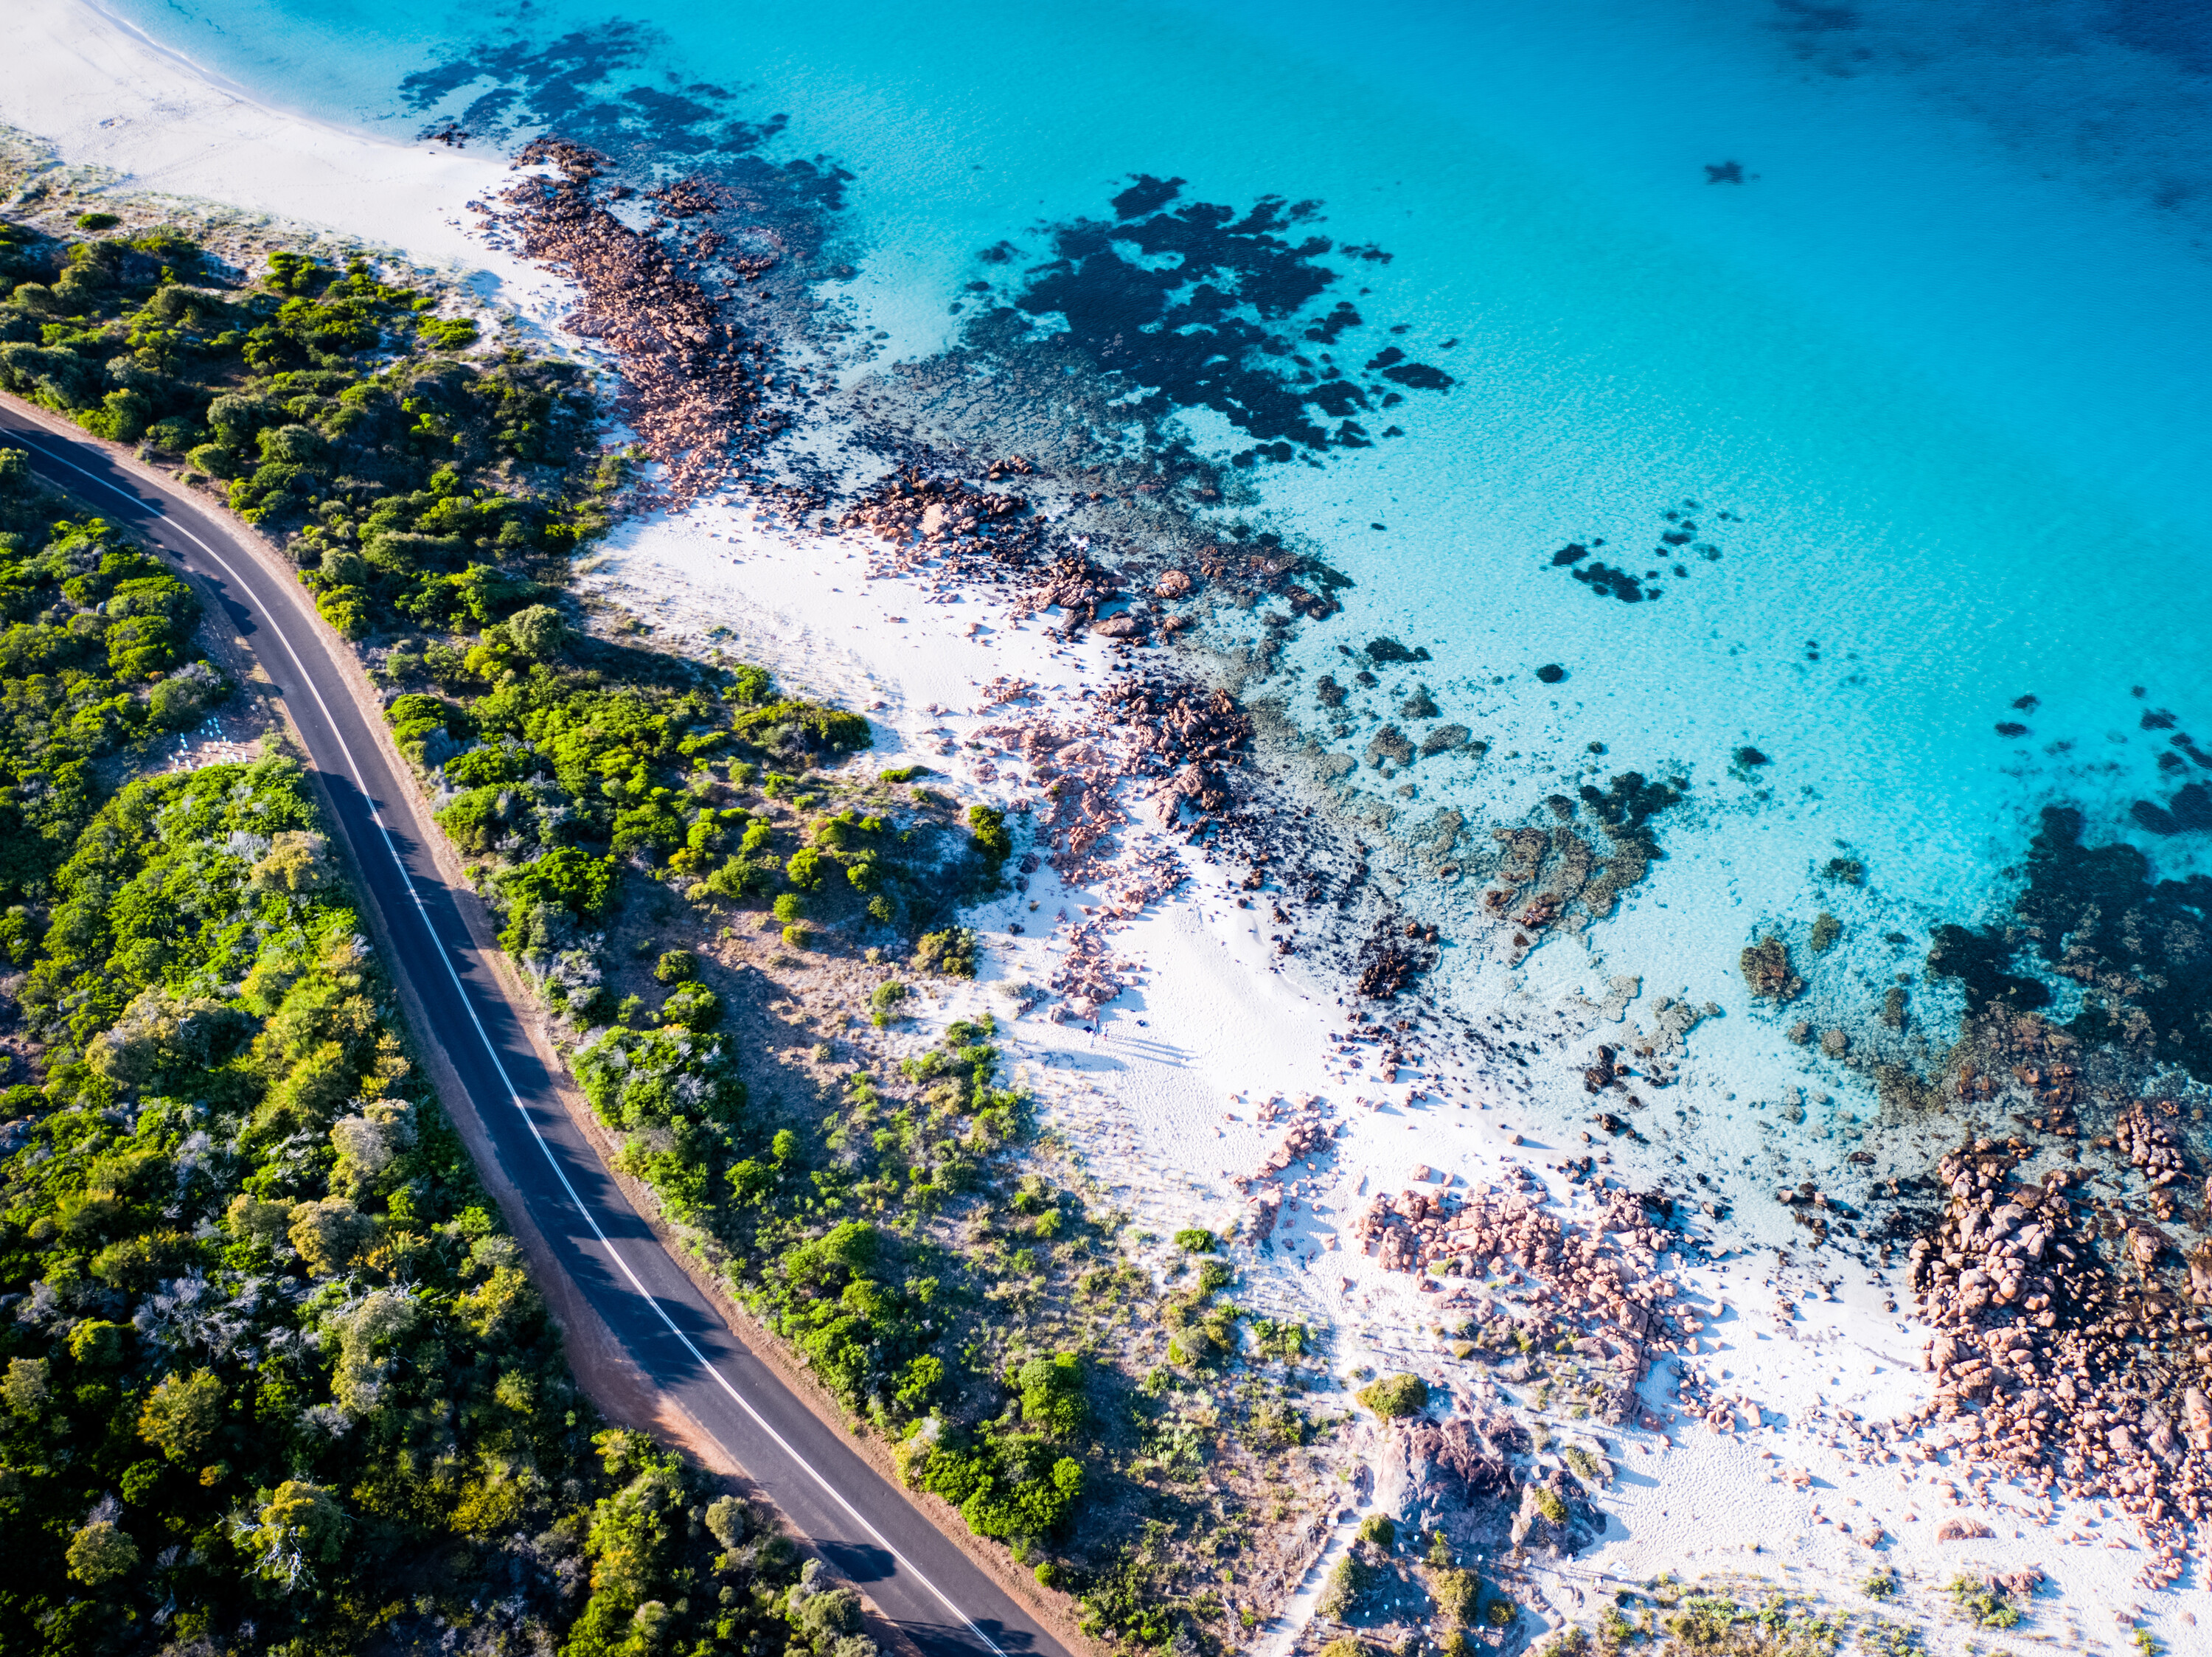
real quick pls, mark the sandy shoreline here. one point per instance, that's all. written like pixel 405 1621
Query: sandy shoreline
pixel 1165 1108
pixel 1167 1105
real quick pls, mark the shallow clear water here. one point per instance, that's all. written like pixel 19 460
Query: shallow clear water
pixel 1931 369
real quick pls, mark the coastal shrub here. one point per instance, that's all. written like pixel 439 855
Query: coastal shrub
pixel 801 731
pixel 1195 1240
pixel 448 334
pixel 1588 1465
pixel 885 1001
pixel 637 1079
pixel 693 1007
pixel 950 952
pixel 674 966
pixel 1053 1394
pixel 1378 1530
pixel 750 686
pixel 1456 1593
pixel 1347 1584
pixel 988 824
pixel 1395 1397
pixel 1012 1488
pixel 901 773
pixel 185 697
pixel 1984 1602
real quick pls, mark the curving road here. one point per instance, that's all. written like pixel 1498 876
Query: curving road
pixel 862 1524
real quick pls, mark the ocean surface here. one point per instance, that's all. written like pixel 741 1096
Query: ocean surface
pixel 1862 351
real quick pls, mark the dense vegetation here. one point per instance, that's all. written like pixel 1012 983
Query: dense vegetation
pixel 274 1375
pixel 95 654
pixel 414 486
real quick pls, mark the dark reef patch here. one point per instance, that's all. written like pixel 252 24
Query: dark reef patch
pixel 1383 650
pixel 1678 542
pixel 2189 808
pixel 1629 801
pixel 1190 302
pixel 595 86
pixel 1978 960
pixel 2141 950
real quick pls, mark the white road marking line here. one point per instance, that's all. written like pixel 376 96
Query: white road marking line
pixel 491 1052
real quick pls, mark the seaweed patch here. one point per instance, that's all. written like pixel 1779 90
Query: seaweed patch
pixel 596 87
pixel 1681 543
pixel 2139 949
pixel 1191 305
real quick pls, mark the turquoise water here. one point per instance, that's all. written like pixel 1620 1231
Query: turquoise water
pixel 1936 345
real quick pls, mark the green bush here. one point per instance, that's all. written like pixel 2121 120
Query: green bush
pixel 184 699
pixel 1984 1602
pixel 674 966
pixel 455 334
pixel 693 1007
pixel 1054 1398
pixel 988 824
pixel 1395 1397
pixel 1196 1240
pixel 808 868
pixel 1009 1488
pixel 1456 1593
pixel 951 953
pixel 1347 1584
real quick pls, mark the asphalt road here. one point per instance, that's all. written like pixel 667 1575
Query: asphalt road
pixel 863 1525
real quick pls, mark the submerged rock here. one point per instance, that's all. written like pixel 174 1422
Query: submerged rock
pixel 1766 969
pixel 1384 650
pixel 1389 744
